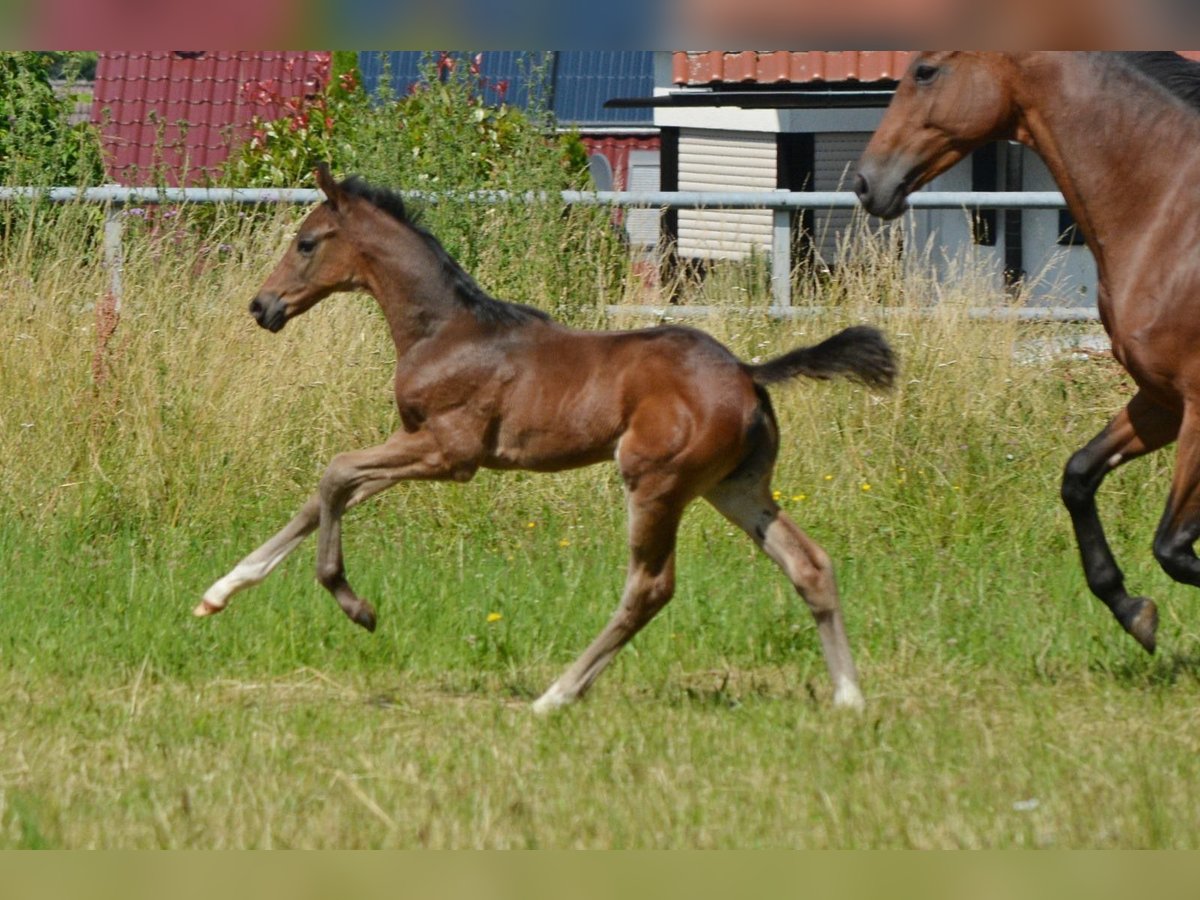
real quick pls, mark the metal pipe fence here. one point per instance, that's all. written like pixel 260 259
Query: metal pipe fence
pixel 781 203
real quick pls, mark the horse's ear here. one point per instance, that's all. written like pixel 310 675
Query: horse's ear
pixel 326 183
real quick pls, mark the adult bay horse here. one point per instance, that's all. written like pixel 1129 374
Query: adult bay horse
pixel 481 382
pixel 1120 132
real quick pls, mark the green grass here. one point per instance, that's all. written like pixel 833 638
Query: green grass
pixel 1005 707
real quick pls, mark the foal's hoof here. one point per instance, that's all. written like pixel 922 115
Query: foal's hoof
pixel 204 608
pixel 848 696
pixel 363 615
pixel 1142 622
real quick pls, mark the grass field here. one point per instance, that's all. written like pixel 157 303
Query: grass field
pixel 1005 707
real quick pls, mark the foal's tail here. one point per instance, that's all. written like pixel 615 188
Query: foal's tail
pixel 861 353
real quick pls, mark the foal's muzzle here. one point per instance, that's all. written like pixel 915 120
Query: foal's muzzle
pixel 269 311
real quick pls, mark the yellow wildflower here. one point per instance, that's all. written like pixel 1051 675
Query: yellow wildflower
pixel 494 616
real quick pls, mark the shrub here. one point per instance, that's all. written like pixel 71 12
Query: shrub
pixel 38 144
pixel 443 135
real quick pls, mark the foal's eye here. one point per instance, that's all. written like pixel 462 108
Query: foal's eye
pixel 925 73
pixel 306 246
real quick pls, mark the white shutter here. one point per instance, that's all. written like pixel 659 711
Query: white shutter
pixel 725 161
pixel 835 156
pixel 642 225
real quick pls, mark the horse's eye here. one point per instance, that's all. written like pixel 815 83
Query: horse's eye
pixel 306 245
pixel 925 73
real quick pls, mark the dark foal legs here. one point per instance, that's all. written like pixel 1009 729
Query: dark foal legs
pixel 1140 428
pixel 349 479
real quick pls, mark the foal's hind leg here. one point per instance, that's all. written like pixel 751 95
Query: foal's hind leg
pixel 749 505
pixel 1140 428
pixel 649 584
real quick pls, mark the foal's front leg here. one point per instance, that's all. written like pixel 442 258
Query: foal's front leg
pixel 349 479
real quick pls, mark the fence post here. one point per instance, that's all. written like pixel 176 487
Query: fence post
pixel 781 258
pixel 108 308
pixel 114 252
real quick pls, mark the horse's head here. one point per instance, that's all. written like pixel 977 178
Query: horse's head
pixel 948 103
pixel 318 262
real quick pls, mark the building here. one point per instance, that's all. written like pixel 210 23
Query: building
pixel 799 120
pixel 709 120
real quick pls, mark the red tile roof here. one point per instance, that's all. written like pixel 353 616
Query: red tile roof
pixel 182 111
pixel 776 66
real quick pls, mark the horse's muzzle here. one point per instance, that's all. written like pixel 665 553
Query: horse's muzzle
pixel 269 311
pixel 881 193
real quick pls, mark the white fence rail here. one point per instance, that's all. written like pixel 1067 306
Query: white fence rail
pixel 782 203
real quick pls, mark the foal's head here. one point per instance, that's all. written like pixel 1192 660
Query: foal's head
pixel 324 257
pixel 948 103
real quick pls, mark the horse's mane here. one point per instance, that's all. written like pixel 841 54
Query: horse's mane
pixel 1178 75
pixel 484 306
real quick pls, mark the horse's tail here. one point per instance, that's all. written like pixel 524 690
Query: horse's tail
pixel 860 353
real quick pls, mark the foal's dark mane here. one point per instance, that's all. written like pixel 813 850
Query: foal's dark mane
pixel 1176 74
pixel 488 309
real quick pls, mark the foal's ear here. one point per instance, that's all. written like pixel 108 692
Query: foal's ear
pixel 326 183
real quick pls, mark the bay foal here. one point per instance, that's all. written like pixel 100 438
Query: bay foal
pixel 485 383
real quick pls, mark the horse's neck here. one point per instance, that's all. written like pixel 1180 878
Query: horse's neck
pixel 412 292
pixel 1110 153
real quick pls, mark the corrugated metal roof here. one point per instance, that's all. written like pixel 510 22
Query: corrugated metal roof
pixel 573 84
pixel 179 112
pixel 779 66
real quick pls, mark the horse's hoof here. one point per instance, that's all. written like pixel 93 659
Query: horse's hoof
pixel 204 608
pixel 1143 623
pixel 848 696
pixel 364 616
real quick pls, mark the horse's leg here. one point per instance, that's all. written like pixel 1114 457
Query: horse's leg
pixel 649 584
pixel 1180 525
pixel 747 502
pixel 1140 428
pixel 254 568
pixel 351 478
pixel 258 565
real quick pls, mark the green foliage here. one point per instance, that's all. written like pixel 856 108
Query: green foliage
pixel 72 65
pixel 38 145
pixel 442 136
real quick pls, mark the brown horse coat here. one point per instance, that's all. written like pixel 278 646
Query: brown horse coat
pixel 485 383
pixel 1120 133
